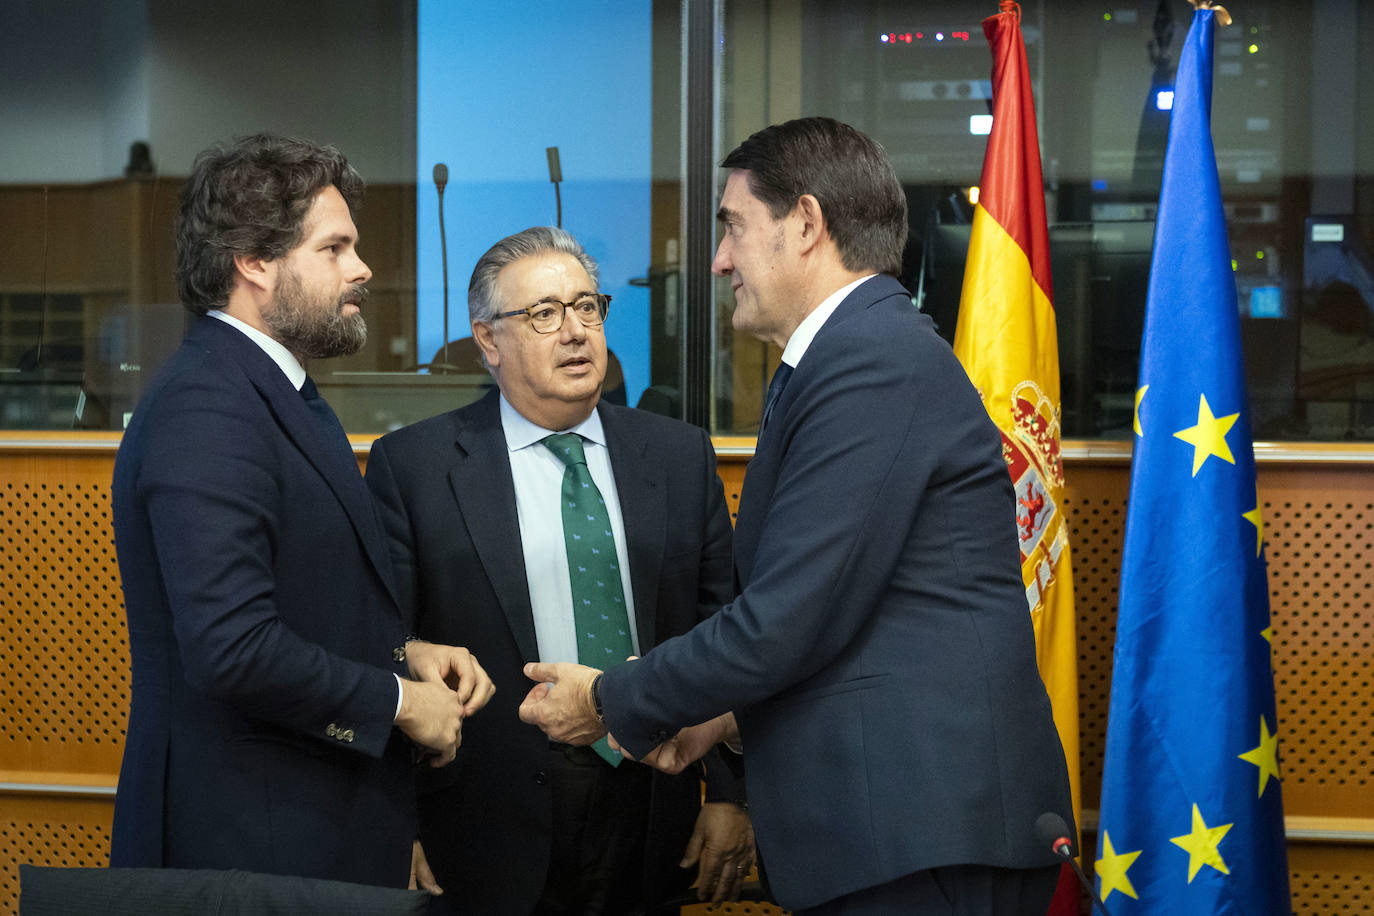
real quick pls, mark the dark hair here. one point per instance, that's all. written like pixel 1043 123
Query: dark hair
pixel 847 171
pixel 250 197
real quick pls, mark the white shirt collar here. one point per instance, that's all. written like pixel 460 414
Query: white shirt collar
pixel 801 338
pixel 521 433
pixel 295 372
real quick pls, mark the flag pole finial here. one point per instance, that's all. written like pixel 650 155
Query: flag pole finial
pixel 1223 17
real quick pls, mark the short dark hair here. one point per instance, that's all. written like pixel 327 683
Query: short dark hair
pixel 847 171
pixel 250 197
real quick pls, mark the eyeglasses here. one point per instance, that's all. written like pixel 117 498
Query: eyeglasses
pixel 546 316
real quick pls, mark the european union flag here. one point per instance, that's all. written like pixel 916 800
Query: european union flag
pixel 1192 811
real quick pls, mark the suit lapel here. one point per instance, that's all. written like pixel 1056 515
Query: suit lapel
pixel 336 465
pixel 760 477
pixel 485 494
pixel 643 494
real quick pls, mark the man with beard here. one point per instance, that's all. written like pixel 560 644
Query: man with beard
pixel 277 706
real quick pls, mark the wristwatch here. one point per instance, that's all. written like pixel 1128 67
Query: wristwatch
pixel 596 699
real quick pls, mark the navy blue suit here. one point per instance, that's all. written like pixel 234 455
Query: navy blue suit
pixel 880 656
pixel 262 628
pixel 448 502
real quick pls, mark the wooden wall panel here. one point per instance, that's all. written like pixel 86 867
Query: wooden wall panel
pixel 63 832
pixel 64 655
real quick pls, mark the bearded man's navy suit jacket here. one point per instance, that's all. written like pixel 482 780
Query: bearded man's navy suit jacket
pixel 880 656
pixel 263 632
pixel 448 501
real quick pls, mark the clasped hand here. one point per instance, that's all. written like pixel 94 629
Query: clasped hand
pixel 561 704
pixel 448 686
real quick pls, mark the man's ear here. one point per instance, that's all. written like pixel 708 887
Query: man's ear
pixel 485 337
pixel 258 272
pixel 812 220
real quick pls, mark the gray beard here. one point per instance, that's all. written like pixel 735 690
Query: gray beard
pixel 311 331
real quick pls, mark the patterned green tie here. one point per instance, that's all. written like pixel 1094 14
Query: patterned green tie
pixel 603 626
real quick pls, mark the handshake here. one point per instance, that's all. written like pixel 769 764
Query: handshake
pixel 561 704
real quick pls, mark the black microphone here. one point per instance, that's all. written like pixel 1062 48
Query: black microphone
pixel 440 180
pixel 555 175
pixel 1052 831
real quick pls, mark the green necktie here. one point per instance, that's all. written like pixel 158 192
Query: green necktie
pixel 603 626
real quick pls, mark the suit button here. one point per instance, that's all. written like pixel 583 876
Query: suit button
pixel 541 778
pixel 348 735
pixel 661 736
pixel 332 730
pixel 398 654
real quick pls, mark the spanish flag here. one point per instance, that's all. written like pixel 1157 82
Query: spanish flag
pixel 1006 340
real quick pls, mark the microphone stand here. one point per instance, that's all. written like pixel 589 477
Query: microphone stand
pixel 555 175
pixel 440 180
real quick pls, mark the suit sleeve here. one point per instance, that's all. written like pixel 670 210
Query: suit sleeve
pixel 716 581
pixel 396 520
pixel 724 781
pixel 212 486
pixel 849 483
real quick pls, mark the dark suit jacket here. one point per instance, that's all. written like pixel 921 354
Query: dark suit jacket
pixel 880 655
pixel 448 501
pixel 262 625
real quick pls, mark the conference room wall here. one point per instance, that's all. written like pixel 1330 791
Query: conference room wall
pixel 64 670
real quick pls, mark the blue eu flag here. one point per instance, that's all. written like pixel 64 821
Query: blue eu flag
pixel 1192 811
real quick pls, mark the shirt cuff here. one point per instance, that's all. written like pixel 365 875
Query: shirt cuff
pixel 400 693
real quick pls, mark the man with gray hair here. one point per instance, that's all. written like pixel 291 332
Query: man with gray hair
pixel 543 523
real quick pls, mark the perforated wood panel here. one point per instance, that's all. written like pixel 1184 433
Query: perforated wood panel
pixel 64 693
pixel 64 655
pixel 1319 524
pixel 1330 880
pixel 1319 580
pixel 46 831
pixel 1095 507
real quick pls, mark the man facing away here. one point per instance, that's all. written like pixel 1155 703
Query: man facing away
pixel 541 522
pixel 276 703
pixel 879 660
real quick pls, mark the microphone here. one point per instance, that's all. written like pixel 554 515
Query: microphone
pixel 440 180
pixel 1052 831
pixel 555 175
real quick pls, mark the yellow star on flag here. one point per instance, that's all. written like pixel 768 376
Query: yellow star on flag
pixel 1202 842
pixel 1208 437
pixel 1111 869
pixel 1266 756
pixel 1255 518
pixel 1268 634
pixel 1139 396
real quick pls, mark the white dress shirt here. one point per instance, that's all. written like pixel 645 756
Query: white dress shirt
pixel 801 338
pixel 538 475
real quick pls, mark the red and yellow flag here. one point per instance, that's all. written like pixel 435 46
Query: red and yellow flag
pixel 1006 339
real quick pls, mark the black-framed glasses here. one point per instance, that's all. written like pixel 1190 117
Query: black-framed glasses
pixel 546 316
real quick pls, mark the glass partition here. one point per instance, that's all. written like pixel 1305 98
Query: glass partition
pixel 106 103
pixel 1294 134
